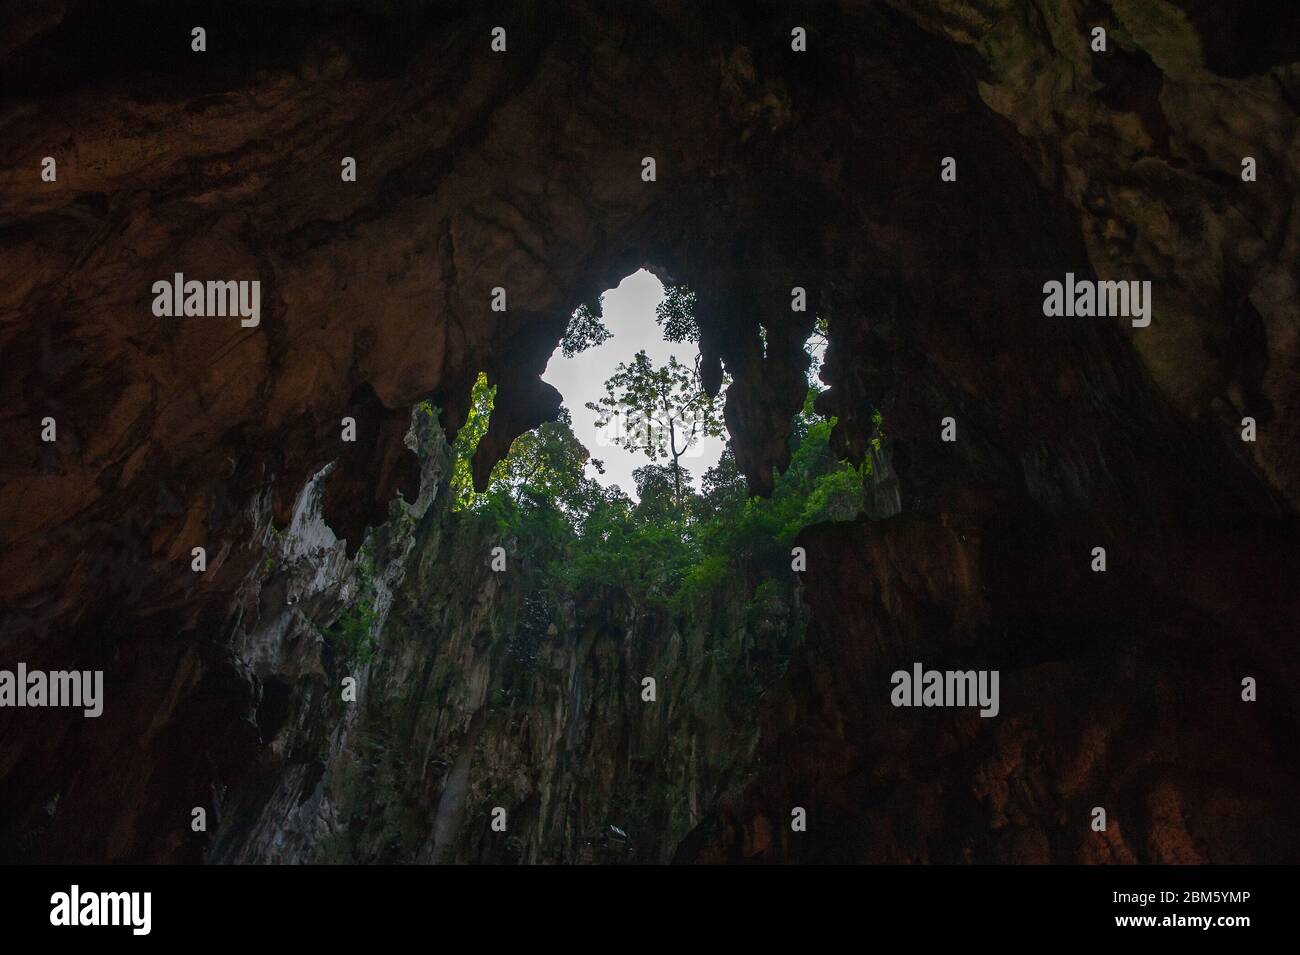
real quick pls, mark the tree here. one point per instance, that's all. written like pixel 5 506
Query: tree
pixel 544 470
pixel 656 490
pixel 725 488
pixel 662 411
pixel 676 314
pixel 673 547
pixel 545 467
pixel 586 330
pixel 476 424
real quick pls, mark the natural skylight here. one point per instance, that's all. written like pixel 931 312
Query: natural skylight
pixel 629 314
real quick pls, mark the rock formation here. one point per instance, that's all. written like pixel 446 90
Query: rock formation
pixel 522 170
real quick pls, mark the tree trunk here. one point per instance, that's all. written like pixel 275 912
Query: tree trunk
pixel 677 470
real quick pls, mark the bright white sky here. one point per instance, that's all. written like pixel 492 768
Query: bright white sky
pixel 630 315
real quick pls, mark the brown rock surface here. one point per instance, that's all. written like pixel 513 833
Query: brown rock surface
pixel 775 169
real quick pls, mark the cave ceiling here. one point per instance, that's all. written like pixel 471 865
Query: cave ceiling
pixel 523 170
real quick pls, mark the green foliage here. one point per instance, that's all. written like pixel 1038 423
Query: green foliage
pixel 545 468
pixel 676 314
pixel 471 433
pixel 586 330
pixel 673 546
pixel 351 634
pixel 660 411
pixel 877 433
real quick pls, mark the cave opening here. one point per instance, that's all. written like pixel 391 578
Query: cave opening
pixel 635 482
pixel 639 316
pixel 658 570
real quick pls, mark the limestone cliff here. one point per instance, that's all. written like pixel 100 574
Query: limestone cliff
pixel 485 691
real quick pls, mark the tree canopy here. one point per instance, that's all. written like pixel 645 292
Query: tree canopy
pixel 676 314
pixel 660 412
pixel 674 543
pixel 586 330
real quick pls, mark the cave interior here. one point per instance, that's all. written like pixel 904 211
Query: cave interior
pixel 775 167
